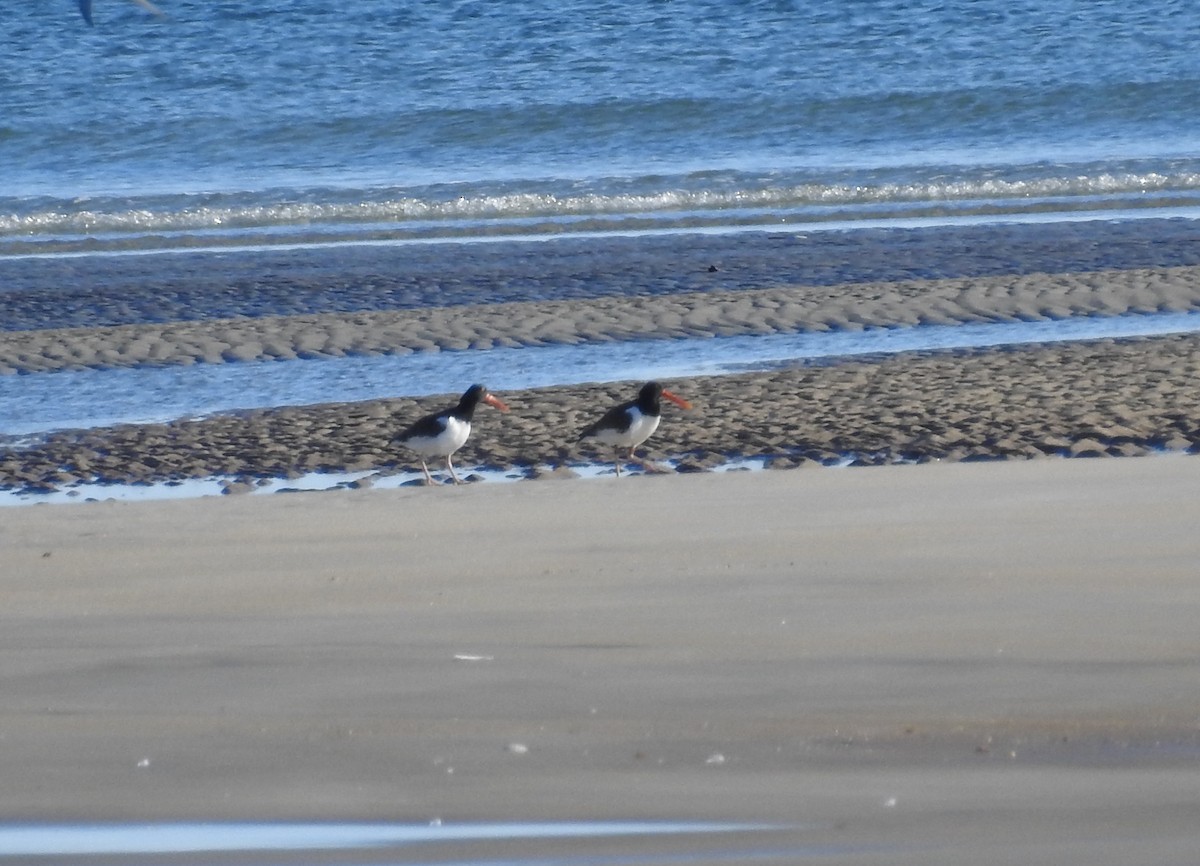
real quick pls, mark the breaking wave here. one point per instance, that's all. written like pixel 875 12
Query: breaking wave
pixel 703 199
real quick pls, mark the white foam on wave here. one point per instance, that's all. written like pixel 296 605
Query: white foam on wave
pixel 714 194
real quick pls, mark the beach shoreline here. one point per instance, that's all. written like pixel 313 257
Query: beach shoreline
pixel 912 582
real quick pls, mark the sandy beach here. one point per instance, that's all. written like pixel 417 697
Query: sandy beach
pixel 975 644
pixel 947 663
pixel 843 306
pixel 906 575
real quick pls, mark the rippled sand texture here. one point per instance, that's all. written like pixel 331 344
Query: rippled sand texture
pixel 692 314
pixel 1105 397
pixel 1094 398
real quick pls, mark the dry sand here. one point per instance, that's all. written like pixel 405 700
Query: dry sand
pixel 950 663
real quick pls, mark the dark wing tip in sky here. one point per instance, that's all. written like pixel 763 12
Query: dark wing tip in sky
pixel 85 6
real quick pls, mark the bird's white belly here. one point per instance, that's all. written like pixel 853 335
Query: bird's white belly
pixel 637 433
pixel 453 437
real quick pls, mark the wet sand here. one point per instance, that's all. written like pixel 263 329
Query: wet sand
pixel 948 663
pixel 1099 398
pixel 1115 398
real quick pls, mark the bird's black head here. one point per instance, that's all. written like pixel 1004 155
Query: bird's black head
pixel 649 396
pixel 472 396
pixel 475 395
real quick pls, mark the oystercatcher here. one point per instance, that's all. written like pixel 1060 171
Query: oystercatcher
pixel 630 424
pixel 443 433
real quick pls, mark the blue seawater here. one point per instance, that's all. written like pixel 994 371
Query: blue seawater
pixel 242 124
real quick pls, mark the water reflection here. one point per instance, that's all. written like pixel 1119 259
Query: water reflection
pixel 34 840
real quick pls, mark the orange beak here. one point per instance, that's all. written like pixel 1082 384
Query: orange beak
pixel 495 401
pixel 678 401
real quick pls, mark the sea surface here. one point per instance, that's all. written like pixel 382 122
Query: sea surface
pixel 301 121
pixel 271 149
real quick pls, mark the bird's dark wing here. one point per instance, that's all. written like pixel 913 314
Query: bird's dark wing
pixel 85 7
pixel 429 426
pixel 615 418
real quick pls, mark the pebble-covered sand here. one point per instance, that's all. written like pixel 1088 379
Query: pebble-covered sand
pixel 1107 397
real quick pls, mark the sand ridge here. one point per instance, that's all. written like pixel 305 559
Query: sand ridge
pixel 786 309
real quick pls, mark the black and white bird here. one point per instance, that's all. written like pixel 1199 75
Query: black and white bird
pixel 85 8
pixel 443 433
pixel 630 424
